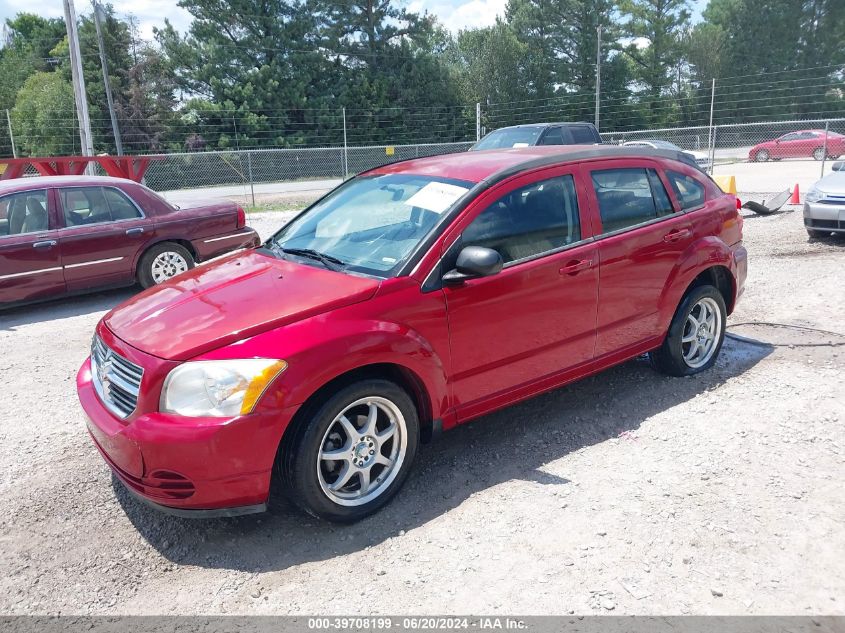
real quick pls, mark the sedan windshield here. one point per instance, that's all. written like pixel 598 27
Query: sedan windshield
pixel 510 137
pixel 369 225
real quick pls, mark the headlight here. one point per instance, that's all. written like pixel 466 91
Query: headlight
pixel 218 388
pixel 813 195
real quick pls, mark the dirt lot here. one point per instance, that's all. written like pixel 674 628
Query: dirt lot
pixel 628 492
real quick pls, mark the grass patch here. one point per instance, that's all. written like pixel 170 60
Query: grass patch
pixel 278 207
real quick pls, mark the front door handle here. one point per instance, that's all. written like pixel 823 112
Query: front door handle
pixel 136 231
pixel 576 266
pixel 45 244
pixel 676 235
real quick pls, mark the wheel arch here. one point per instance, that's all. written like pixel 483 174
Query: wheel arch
pixel 403 376
pixel 706 261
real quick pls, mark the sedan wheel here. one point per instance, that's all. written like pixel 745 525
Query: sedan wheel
pixel 167 265
pixel 162 262
pixel 762 156
pixel 818 153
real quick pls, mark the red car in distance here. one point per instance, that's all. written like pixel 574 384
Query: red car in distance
pixel 64 235
pixel 412 298
pixel 800 144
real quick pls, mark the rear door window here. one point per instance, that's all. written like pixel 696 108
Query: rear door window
pixel 120 206
pixel 629 196
pixel 582 135
pixel 84 205
pixel 553 136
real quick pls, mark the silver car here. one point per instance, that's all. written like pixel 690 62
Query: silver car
pixel 824 204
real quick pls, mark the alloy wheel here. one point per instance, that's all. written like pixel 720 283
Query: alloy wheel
pixel 362 451
pixel 702 331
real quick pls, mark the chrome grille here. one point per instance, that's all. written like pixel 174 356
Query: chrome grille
pixel 116 380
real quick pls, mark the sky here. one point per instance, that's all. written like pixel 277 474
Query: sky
pixel 455 14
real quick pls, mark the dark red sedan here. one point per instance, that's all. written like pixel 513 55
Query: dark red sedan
pixel 412 298
pixel 70 234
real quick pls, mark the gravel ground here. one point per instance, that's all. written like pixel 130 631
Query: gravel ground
pixel 627 492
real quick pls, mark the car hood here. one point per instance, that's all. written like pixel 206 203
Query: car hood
pixel 832 183
pixel 231 299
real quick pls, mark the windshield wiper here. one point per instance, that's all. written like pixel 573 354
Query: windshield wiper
pixel 329 261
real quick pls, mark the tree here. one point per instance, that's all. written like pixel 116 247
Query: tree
pixel 42 116
pixel 489 65
pixel 258 57
pixel 655 27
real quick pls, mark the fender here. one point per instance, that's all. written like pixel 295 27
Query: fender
pixel 352 344
pixel 700 255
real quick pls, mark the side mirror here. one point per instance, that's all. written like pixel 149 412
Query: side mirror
pixel 474 262
pixel 838 165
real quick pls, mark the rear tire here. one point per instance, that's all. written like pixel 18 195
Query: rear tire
pixel 162 262
pixel 695 335
pixel 818 153
pixel 370 432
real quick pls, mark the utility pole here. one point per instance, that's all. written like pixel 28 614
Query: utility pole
pixel 598 72
pixel 477 121
pixel 104 63
pixel 711 141
pixel 12 134
pixel 345 148
pixel 78 80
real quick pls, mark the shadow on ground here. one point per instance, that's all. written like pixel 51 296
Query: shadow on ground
pixel 63 308
pixel 510 444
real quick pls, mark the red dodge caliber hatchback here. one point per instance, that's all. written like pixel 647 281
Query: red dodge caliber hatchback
pixel 410 299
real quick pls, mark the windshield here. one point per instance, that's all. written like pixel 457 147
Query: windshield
pixel 371 224
pixel 509 137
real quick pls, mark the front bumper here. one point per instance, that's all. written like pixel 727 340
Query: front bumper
pixel 188 466
pixel 825 216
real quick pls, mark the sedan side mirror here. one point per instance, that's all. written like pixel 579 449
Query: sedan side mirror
pixel 474 262
pixel 838 165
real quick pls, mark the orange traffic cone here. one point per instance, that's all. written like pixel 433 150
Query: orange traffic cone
pixel 796 196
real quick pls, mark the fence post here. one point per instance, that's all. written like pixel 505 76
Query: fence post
pixel 477 121
pixel 11 134
pixel 711 133
pixel 345 149
pixel 824 155
pixel 713 152
pixel 251 181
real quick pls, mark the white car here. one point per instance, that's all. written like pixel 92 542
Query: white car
pixel 701 158
pixel 824 204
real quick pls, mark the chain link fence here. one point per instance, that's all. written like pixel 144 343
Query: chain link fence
pixel 209 169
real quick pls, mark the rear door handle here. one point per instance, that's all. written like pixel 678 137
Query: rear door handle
pixel 576 266
pixel 45 244
pixel 135 231
pixel 676 235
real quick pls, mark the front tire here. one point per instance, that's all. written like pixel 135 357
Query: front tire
pixel 350 454
pixel 695 335
pixel 162 262
pixel 818 153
